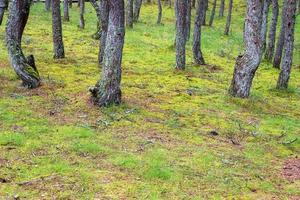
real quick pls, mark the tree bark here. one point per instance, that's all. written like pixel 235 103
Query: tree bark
pixel 247 64
pixel 58 45
pixel 81 18
pixel 159 12
pixel 24 67
pixel 228 22
pixel 1 15
pixel 136 10
pixel 66 11
pixel 264 25
pixel 3 7
pixel 129 16
pixel 290 16
pixel 107 91
pixel 205 10
pixel 181 13
pixel 47 5
pixel 188 20
pixel 213 11
pixel 96 6
pixel 197 53
pixel 104 25
pixel 222 6
pixel 272 32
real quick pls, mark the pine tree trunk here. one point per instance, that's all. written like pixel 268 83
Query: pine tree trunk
pixel 188 20
pixel 197 53
pixel 81 18
pixel 24 67
pixel 159 12
pixel 107 91
pixel 264 25
pixel 58 45
pixel 104 23
pixel 129 16
pixel 136 10
pixel 247 64
pixel 66 11
pixel 181 13
pixel 228 22
pixel 96 6
pixel 272 32
pixel 286 66
pixel 47 5
pixel 213 11
pixel 222 6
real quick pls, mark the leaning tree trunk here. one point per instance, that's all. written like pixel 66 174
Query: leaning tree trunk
pixel 159 12
pixel 228 22
pixel 213 11
pixel 264 25
pixel 247 64
pixel 197 53
pixel 47 5
pixel 136 10
pixel 107 91
pixel 129 16
pixel 96 6
pixel 58 45
pixel 188 20
pixel 222 6
pixel 181 13
pixel 272 32
pixel 24 67
pixel 81 18
pixel 66 11
pixel 280 41
pixel 290 16
pixel 104 27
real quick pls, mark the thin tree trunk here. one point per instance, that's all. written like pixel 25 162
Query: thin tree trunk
pixel 81 18
pixel 222 6
pixel 1 15
pixel 272 33
pixel 136 10
pixel 47 5
pixel 205 10
pixel 104 25
pixel 3 7
pixel 213 11
pixel 286 66
pixel 24 67
pixel 188 20
pixel 96 6
pixel 70 3
pixel 66 11
pixel 159 12
pixel 58 45
pixel 197 53
pixel 247 64
pixel 264 25
pixel 228 22
pixel 107 91
pixel 129 16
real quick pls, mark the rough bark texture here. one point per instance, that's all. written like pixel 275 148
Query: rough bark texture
pixel 96 6
pixel 24 67
pixel 290 16
pixel 47 5
pixel 222 6
pixel 197 53
pixel 272 32
pixel 181 12
pixel 104 26
pixel 81 17
pixel 129 16
pixel 228 22
pixel 159 12
pixel 247 64
pixel 264 24
pixel 107 91
pixel 58 45
pixel 280 41
pixel 136 10
pixel 213 11
pixel 188 20
pixel 66 11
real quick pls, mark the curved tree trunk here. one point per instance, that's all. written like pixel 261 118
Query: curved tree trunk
pixel 264 24
pixel 272 33
pixel 58 45
pixel 107 91
pixel 290 16
pixel 129 16
pixel 222 6
pixel 181 13
pixel 228 22
pixel 47 5
pixel 136 10
pixel 198 57
pixel 159 12
pixel 104 25
pixel 24 67
pixel 213 11
pixel 66 11
pixel 247 64
pixel 96 6
pixel 81 18
pixel 188 20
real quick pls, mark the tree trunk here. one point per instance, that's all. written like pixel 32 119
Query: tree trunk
pixel 1 15
pixel 24 67
pixel 66 11
pixel 47 5
pixel 228 22
pixel 280 41
pixel 197 53
pixel 136 10
pixel 96 6
pixel 247 64
pixel 81 18
pixel 159 12
pixel 222 6
pixel 3 7
pixel 213 11
pixel 70 3
pixel 107 91
pixel 264 25
pixel 104 25
pixel 181 13
pixel 129 16
pixel 193 3
pixel 290 16
pixel 205 10
pixel 188 20
pixel 58 45
pixel 272 32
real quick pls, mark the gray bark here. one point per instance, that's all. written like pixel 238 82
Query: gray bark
pixel 47 5
pixel 3 7
pixel 247 64
pixel 81 17
pixel 290 16
pixel 136 10
pixel 264 25
pixel 104 26
pixel 58 45
pixel 205 10
pixel 272 32
pixel 24 67
pixel 96 6
pixel 228 22
pixel 107 91
pixel 188 20
pixel 66 11
pixel 129 16
pixel 222 6
pixel 213 11
pixel 159 12
pixel 1 15
pixel 197 53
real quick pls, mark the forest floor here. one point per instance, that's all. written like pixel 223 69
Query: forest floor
pixel 177 135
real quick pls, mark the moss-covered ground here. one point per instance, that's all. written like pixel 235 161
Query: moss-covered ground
pixel 54 144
